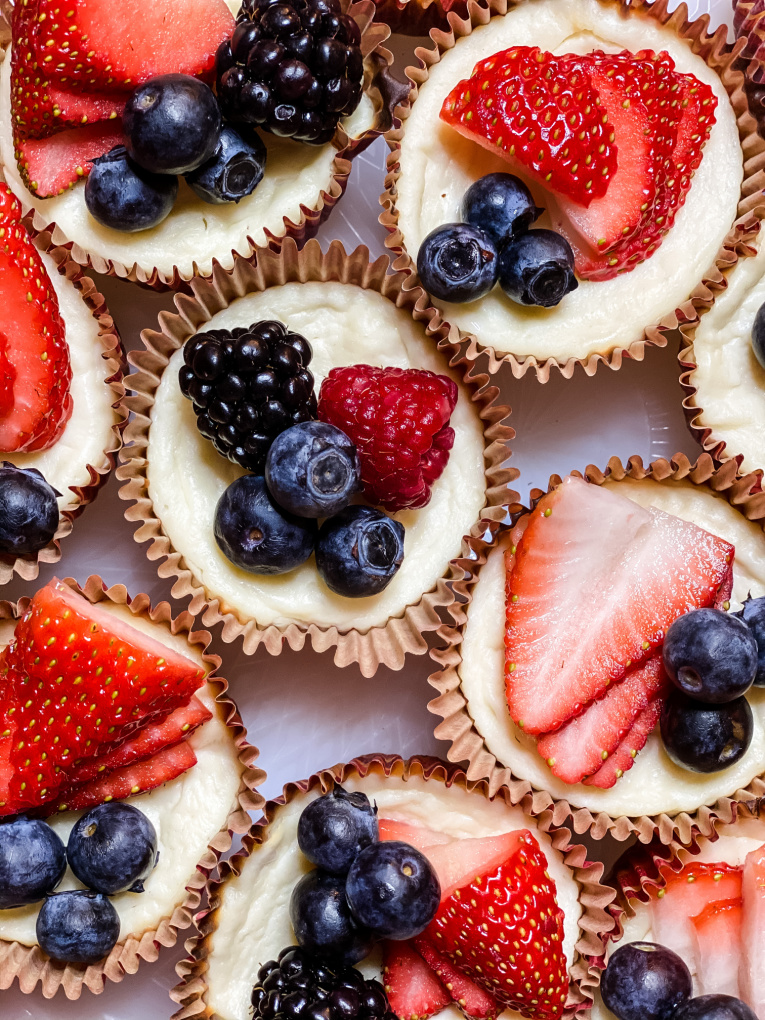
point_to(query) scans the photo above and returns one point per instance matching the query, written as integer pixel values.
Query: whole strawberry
(399, 420)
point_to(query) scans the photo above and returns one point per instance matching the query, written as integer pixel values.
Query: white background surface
(300, 710)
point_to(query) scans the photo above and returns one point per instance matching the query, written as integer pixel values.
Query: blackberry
(292, 68)
(300, 987)
(247, 385)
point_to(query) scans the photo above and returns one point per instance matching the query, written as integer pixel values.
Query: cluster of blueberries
(111, 849)
(461, 262)
(712, 658)
(28, 510)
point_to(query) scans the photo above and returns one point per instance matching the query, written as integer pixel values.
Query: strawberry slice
(85, 681)
(35, 403)
(417, 836)
(717, 945)
(48, 166)
(542, 114)
(751, 973)
(414, 992)
(597, 581)
(623, 758)
(471, 999)
(462, 861)
(579, 748)
(506, 926)
(140, 777)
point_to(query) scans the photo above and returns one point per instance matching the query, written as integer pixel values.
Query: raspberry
(399, 420)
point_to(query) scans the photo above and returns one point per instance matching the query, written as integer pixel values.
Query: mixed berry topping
(292, 68)
(28, 510)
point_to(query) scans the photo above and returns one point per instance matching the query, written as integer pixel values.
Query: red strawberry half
(595, 584)
(35, 403)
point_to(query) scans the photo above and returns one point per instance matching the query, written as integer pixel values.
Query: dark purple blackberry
(293, 68)
(299, 987)
(247, 386)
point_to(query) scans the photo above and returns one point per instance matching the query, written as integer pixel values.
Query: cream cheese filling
(345, 325)
(187, 812)
(438, 165)
(654, 784)
(253, 920)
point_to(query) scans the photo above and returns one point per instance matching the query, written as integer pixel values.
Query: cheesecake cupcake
(60, 387)
(447, 839)
(155, 178)
(122, 827)
(688, 921)
(406, 444)
(578, 241)
(560, 671)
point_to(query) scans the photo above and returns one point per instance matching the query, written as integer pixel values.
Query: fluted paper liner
(457, 726)
(28, 567)
(29, 965)
(722, 58)
(594, 898)
(382, 645)
(417, 17)
(386, 94)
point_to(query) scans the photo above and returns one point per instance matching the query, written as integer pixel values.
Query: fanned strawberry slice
(540, 113)
(49, 166)
(413, 990)
(623, 758)
(460, 861)
(751, 973)
(717, 947)
(580, 747)
(473, 1000)
(596, 582)
(35, 402)
(417, 836)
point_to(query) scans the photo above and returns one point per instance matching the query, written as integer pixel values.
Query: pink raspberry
(399, 420)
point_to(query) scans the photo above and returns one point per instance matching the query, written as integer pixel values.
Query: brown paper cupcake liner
(28, 567)
(722, 58)
(382, 645)
(458, 728)
(418, 17)
(29, 965)
(386, 93)
(595, 898)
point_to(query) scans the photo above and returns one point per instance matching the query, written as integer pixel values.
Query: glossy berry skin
(537, 268)
(123, 196)
(501, 206)
(113, 848)
(171, 124)
(257, 535)
(32, 861)
(711, 655)
(714, 1007)
(758, 336)
(28, 510)
(234, 170)
(335, 828)
(705, 738)
(458, 262)
(393, 889)
(645, 981)
(753, 615)
(77, 926)
(313, 470)
(359, 551)
(322, 920)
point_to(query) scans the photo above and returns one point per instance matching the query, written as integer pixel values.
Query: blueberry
(172, 124)
(123, 196)
(644, 981)
(537, 268)
(393, 889)
(233, 171)
(753, 615)
(255, 534)
(758, 335)
(335, 828)
(710, 655)
(313, 470)
(28, 510)
(702, 737)
(113, 848)
(359, 551)
(457, 262)
(714, 1007)
(32, 861)
(322, 919)
(501, 205)
(78, 926)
